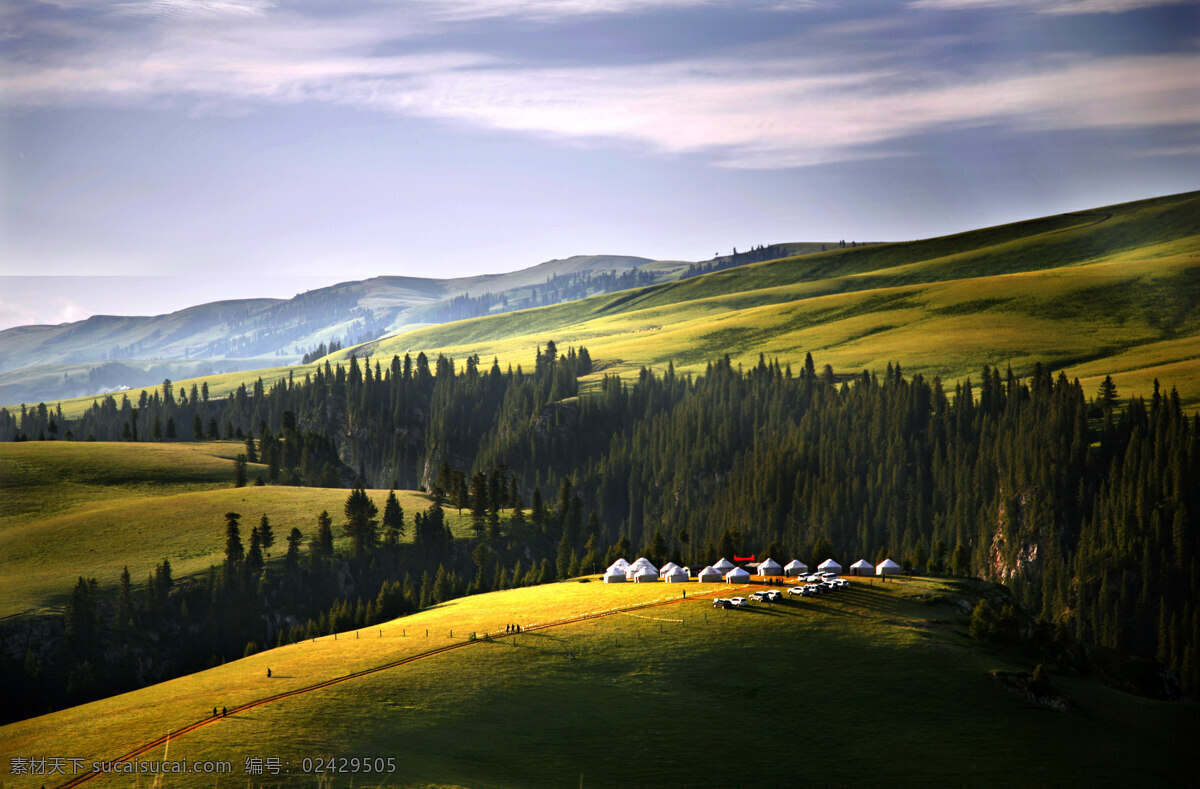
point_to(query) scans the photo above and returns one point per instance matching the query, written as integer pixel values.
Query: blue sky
(177, 151)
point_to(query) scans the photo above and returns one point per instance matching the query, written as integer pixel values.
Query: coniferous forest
(1085, 505)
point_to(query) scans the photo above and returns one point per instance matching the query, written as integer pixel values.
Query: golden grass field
(877, 685)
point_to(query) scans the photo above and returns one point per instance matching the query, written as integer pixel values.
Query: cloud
(68, 311)
(223, 8)
(758, 107)
(792, 113)
(1053, 7)
(547, 10)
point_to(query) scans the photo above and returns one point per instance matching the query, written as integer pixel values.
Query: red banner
(743, 558)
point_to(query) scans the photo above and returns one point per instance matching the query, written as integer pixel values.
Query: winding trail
(84, 777)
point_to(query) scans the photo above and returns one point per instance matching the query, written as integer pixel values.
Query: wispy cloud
(223, 8)
(1054, 7)
(558, 9)
(758, 107)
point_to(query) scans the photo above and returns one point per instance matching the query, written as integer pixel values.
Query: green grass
(875, 686)
(1075, 292)
(89, 509)
(1089, 293)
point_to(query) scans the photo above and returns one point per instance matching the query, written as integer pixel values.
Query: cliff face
(1015, 545)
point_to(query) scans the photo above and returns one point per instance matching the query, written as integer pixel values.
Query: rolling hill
(1111, 290)
(878, 685)
(89, 509)
(108, 353)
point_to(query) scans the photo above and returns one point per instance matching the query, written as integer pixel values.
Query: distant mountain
(108, 353)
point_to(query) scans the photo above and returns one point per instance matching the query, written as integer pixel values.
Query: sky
(156, 154)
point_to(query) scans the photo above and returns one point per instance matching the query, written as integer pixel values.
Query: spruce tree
(361, 526)
(393, 519)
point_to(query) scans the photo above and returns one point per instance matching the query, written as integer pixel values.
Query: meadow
(877, 685)
(1107, 291)
(90, 508)
(1112, 291)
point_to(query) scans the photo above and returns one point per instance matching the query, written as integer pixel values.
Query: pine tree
(234, 553)
(266, 535)
(291, 560)
(393, 519)
(325, 535)
(123, 616)
(361, 526)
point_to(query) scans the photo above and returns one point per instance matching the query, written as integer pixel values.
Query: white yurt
(769, 567)
(644, 575)
(676, 576)
(641, 561)
(666, 568)
(638, 566)
(614, 576)
(620, 564)
(830, 566)
(862, 567)
(737, 576)
(887, 567)
(723, 566)
(795, 567)
(709, 575)
(687, 570)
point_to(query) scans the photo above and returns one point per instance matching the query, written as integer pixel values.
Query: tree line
(1084, 506)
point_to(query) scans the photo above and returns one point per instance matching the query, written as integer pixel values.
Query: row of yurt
(642, 571)
(863, 567)
(621, 571)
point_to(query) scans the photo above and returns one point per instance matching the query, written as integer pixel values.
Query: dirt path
(83, 778)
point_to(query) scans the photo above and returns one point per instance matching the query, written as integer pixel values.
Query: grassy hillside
(1113, 290)
(875, 686)
(1109, 291)
(89, 509)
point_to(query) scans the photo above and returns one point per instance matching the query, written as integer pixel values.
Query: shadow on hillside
(875, 596)
(754, 609)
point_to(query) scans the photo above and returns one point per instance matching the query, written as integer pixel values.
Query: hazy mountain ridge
(110, 352)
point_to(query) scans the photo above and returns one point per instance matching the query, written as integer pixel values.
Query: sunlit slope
(874, 686)
(1112, 290)
(1074, 290)
(89, 509)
